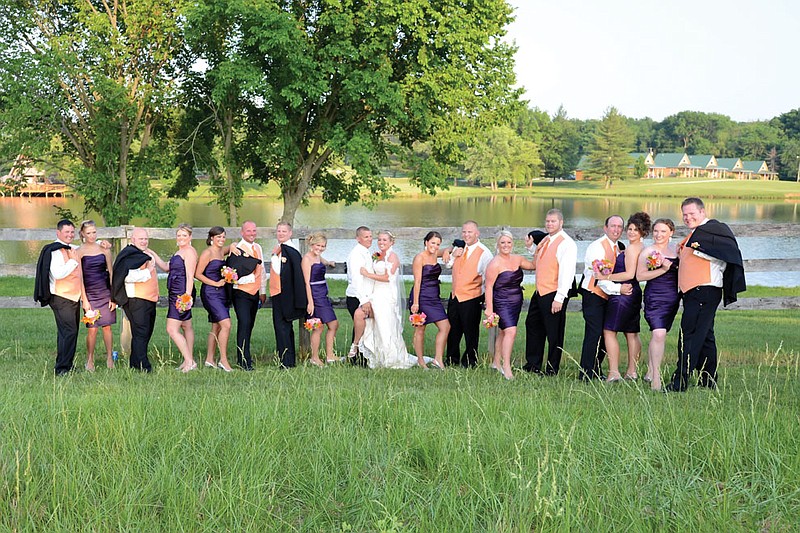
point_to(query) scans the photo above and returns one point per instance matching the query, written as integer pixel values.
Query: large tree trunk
(230, 182)
(293, 194)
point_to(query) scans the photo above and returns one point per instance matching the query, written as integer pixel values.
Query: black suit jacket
(294, 300)
(129, 258)
(717, 240)
(41, 288)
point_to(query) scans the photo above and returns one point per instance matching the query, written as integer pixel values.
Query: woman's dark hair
(213, 232)
(667, 222)
(642, 222)
(431, 235)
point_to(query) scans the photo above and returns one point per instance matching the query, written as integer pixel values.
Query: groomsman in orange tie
(464, 308)
(555, 259)
(287, 290)
(709, 270)
(58, 284)
(594, 295)
(249, 293)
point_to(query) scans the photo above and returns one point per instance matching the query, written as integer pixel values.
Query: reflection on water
(522, 210)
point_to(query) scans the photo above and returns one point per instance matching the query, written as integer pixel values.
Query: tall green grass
(349, 449)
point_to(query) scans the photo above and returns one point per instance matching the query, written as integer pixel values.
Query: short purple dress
(661, 298)
(430, 301)
(623, 312)
(176, 286)
(319, 293)
(215, 299)
(98, 288)
(507, 297)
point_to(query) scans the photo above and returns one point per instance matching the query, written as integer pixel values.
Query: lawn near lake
(348, 449)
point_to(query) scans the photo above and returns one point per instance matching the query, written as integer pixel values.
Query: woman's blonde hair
(314, 238)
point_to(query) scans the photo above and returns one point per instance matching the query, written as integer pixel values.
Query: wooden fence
(120, 236)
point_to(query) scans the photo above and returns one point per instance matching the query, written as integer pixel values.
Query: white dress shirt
(359, 256)
(593, 252)
(250, 278)
(567, 257)
(59, 268)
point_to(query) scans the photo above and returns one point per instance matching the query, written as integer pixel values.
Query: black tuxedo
(288, 305)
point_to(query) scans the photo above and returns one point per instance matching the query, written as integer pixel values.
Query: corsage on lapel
(695, 245)
(283, 259)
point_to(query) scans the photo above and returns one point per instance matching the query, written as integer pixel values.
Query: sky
(655, 58)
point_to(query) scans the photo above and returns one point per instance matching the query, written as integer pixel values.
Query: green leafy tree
(96, 75)
(609, 156)
(695, 132)
(502, 157)
(338, 76)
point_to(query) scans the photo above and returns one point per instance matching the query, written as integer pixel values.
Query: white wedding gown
(382, 344)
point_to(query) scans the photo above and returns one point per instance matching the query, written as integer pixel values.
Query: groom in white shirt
(359, 287)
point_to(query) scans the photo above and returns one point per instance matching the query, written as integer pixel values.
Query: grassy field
(630, 188)
(348, 449)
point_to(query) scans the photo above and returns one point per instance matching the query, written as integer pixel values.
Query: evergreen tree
(610, 148)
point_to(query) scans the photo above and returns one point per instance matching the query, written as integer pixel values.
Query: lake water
(524, 210)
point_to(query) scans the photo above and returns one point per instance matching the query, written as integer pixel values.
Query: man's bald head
(140, 239)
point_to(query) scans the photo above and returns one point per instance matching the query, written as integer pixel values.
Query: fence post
(303, 336)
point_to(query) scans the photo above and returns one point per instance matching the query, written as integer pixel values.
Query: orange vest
(610, 256)
(547, 266)
(693, 271)
(147, 290)
(467, 282)
(274, 280)
(70, 286)
(253, 288)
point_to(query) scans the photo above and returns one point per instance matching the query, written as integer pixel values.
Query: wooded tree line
(315, 95)
(556, 143)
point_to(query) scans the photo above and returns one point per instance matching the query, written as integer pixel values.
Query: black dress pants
(542, 325)
(284, 333)
(697, 346)
(142, 316)
(68, 315)
(353, 304)
(594, 349)
(245, 305)
(465, 320)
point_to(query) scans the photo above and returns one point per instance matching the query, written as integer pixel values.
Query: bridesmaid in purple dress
(504, 297)
(623, 311)
(661, 297)
(319, 305)
(96, 295)
(215, 297)
(427, 270)
(180, 281)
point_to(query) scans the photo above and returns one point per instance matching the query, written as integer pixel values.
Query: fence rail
(120, 236)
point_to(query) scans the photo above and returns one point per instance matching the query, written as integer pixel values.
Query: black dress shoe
(671, 387)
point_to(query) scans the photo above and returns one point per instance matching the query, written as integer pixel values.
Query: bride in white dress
(382, 344)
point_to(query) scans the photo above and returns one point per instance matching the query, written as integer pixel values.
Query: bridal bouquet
(90, 317)
(229, 274)
(603, 266)
(417, 319)
(184, 302)
(312, 324)
(491, 321)
(654, 260)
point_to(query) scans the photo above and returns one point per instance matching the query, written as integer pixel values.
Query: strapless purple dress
(661, 298)
(98, 288)
(430, 300)
(319, 293)
(176, 286)
(623, 313)
(507, 297)
(215, 299)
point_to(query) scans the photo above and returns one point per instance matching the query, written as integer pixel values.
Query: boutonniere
(283, 259)
(695, 245)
